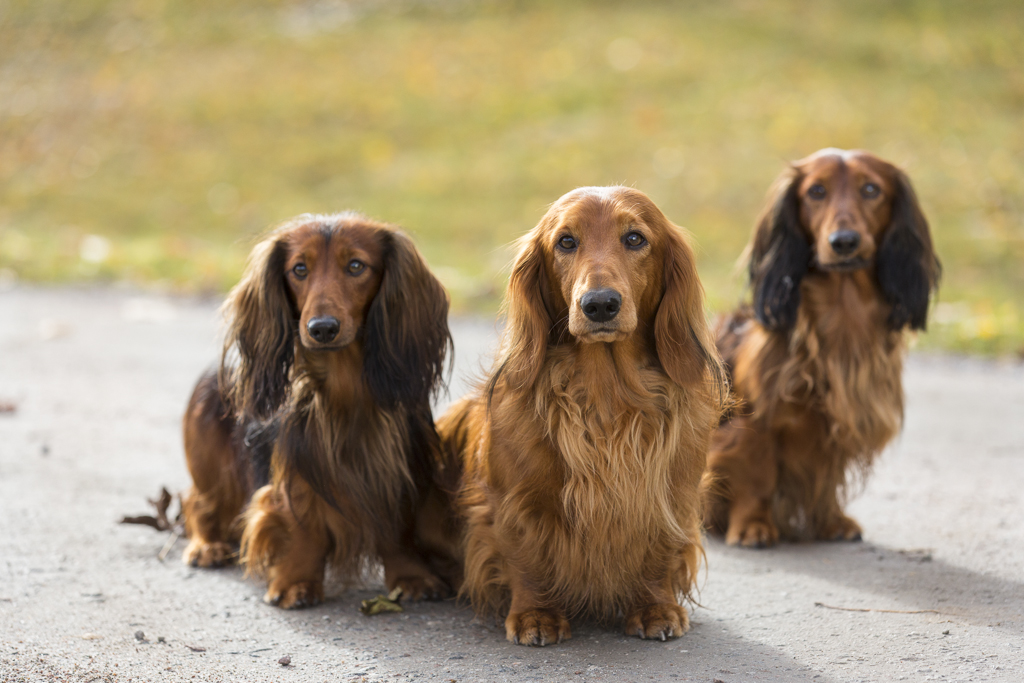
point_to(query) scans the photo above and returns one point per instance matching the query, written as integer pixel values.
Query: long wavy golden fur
(841, 263)
(336, 340)
(583, 452)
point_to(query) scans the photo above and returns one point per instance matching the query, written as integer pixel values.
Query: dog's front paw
(296, 595)
(202, 554)
(537, 627)
(841, 528)
(426, 587)
(659, 621)
(754, 533)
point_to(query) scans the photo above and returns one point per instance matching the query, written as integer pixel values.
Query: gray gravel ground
(100, 377)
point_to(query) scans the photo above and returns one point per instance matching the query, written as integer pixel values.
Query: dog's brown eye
(634, 240)
(567, 243)
(870, 191)
(300, 271)
(817, 191)
(355, 266)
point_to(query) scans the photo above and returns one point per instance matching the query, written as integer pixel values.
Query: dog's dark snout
(844, 242)
(601, 305)
(323, 329)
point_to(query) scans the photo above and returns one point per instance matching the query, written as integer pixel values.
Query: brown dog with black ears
(583, 453)
(841, 262)
(336, 341)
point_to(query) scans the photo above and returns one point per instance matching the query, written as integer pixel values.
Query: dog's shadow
(445, 639)
(745, 597)
(898, 579)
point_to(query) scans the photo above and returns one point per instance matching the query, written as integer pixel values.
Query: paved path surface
(100, 378)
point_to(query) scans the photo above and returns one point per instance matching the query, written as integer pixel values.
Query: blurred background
(149, 142)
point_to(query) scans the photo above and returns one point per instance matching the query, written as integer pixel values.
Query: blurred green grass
(176, 132)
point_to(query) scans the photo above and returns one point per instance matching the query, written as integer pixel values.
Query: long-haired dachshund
(337, 337)
(841, 262)
(583, 453)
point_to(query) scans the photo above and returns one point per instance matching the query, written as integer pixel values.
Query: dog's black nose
(844, 242)
(601, 305)
(323, 329)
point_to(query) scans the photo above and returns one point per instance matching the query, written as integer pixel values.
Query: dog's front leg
(658, 615)
(405, 565)
(530, 621)
(744, 465)
(291, 553)
(297, 580)
(834, 524)
(405, 569)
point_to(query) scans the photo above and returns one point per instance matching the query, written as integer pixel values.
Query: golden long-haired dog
(337, 338)
(841, 262)
(583, 452)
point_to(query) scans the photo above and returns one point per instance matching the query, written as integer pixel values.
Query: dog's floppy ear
(406, 337)
(261, 331)
(683, 339)
(779, 255)
(908, 269)
(528, 321)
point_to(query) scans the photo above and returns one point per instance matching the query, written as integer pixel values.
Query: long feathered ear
(779, 256)
(682, 336)
(528, 321)
(406, 337)
(908, 269)
(261, 331)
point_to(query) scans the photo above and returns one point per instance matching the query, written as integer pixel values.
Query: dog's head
(319, 284)
(605, 265)
(841, 211)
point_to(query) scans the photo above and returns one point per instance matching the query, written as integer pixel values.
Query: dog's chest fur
(845, 363)
(361, 447)
(630, 472)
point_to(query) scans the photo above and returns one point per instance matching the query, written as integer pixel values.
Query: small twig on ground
(162, 504)
(890, 611)
(161, 522)
(171, 540)
(144, 520)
